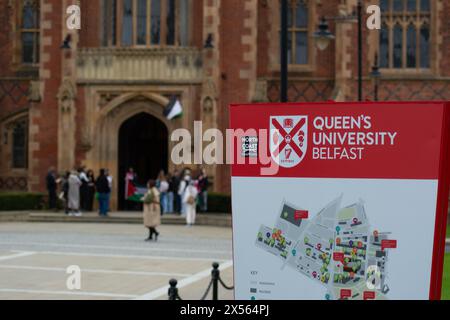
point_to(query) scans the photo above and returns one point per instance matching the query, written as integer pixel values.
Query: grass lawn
(448, 231)
(446, 277)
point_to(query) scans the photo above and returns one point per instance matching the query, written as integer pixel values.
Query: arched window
(146, 22)
(298, 38)
(425, 46)
(29, 31)
(20, 145)
(384, 46)
(411, 44)
(398, 46)
(405, 35)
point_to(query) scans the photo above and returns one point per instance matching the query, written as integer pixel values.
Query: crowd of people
(77, 189)
(178, 192)
(174, 193)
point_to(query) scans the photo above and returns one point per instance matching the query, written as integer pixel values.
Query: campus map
(336, 248)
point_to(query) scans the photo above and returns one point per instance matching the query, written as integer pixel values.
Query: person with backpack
(190, 203)
(152, 210)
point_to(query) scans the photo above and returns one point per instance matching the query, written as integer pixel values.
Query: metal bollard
(173, 290)
(215, 274)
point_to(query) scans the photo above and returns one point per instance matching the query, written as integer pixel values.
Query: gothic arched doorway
(143, 145)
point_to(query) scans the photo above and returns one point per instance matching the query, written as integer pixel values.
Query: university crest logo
(288, 139)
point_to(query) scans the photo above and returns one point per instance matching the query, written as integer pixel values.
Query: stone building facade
(98, 100)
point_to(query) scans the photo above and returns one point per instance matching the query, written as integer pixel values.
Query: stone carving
(106, 98)
(34, 91)
(260, 91)
(66, 95)
(208, 105)
(86, 139)
(137, 64)
(209, 88)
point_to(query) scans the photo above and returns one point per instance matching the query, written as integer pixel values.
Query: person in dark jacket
(174, 185)
(91, 191)
(103, 189)
(65, 191)
(51, 188)
(203, 184)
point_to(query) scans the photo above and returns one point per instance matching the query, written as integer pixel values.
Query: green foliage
(446, 278)
(15, 201)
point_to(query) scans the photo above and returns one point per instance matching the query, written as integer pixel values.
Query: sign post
(340, 200)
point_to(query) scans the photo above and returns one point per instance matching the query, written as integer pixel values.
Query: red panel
(421, 151)
(417, 142)
(441, 210)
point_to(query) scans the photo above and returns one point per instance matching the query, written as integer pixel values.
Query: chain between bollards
(173, 290)
(214, 283)
(215, 274)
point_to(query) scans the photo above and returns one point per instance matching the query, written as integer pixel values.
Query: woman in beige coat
(152, 210)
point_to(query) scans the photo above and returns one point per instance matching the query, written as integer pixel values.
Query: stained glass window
(404, 40)
(30, 31)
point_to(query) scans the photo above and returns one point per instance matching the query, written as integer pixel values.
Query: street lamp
(284, 51)
(376, 75)
(323, 37)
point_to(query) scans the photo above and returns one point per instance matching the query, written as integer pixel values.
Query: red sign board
(338, 256)
(301, 214)
(345, 183)
(388, 244)
(369, 295)
(345, 293)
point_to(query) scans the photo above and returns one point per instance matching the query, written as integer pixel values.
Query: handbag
(190, 200)
(148, 198)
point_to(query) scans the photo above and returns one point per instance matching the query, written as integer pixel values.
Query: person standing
(152, 210)
(163, 187)
(84, 189)
(130, 178)
(170, 194)
(182, 190)
(203, 184)
(174, 185)
(189, 199)
(91, 191)
(51, 188)
(110, 184)
(65, 191)
(103, 189)
(74, 194)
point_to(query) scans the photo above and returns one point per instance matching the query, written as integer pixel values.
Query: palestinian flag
(134, 192)
(174, 109)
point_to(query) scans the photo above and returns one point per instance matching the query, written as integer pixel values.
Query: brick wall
(91, 30)
(44, 115)
(444, 46)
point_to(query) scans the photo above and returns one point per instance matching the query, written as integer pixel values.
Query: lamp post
(284, 51)
(323, 37)
(375, 75)
(359, 8)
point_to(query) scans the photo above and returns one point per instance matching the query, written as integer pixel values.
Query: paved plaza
(115, 261)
